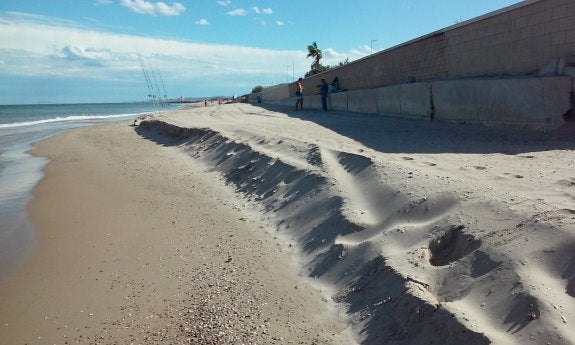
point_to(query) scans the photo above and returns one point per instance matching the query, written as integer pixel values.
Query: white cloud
(333, 58)
(224, 2)
(262, 10)
(33, 48)
(279, 23)
(154, 8)
(83, 53)
(203, 21)
(40, 19)
(237, 12)
(37, 48)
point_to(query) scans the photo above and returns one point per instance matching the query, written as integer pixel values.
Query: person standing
(299, 94)
(323, 91)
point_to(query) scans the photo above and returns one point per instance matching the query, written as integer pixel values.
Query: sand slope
(426, 233)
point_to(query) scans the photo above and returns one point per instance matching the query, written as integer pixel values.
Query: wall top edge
(463, 23)
(446, 29)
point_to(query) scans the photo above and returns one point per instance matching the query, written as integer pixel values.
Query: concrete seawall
(530, 103)
(513, 67)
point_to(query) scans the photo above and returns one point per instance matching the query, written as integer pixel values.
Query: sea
(20, 127)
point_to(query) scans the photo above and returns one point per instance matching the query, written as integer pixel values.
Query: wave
(67, 119)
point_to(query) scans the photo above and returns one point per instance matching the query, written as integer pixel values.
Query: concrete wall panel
(557, 94)
(389, 100)
(454, 100)
(362, 101)
(276, 92)
(509, 100)
(536, 103)
(312, 102)
(416, 100)
(338, 101)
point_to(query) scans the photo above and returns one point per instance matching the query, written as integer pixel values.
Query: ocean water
(20, 127)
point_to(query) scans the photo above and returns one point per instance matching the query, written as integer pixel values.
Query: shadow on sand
(394, 135)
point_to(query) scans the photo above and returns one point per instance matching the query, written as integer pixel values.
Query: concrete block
(551, 27)
(338, 101)
(535, 103)
(455, 101)
(542, 16)
(557, 38)
(362, 101)
(566, 24)
(287, 102)
(519, 23)
(510, 101)
(550, 69)
(312, 102)
(570, 35)
(276, 92)
(416, 100)
(557, 99)
(389, 100)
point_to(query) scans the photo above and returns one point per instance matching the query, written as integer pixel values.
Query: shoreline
(20, 171)
(136, 243)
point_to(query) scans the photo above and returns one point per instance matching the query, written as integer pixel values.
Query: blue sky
(68, 51)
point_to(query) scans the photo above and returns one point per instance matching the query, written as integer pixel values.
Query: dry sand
(421, 233)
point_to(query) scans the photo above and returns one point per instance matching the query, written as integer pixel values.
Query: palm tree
(314, 52)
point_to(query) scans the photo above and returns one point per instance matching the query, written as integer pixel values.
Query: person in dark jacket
(323, 91)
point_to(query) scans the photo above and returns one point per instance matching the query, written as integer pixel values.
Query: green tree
(344, 62)
(315, 53)
(257, 89)
(316, 67)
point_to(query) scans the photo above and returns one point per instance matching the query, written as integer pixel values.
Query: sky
(82, 51)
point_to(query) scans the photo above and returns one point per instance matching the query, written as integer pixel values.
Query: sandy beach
(137, 243)
(237, 224)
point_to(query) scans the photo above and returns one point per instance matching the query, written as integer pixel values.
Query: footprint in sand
(567, 183)
(451, 246)
(408, 158)
(514, 175)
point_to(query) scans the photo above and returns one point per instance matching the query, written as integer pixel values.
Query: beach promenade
(241, 224)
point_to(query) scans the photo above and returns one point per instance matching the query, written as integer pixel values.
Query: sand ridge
(450, 238)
